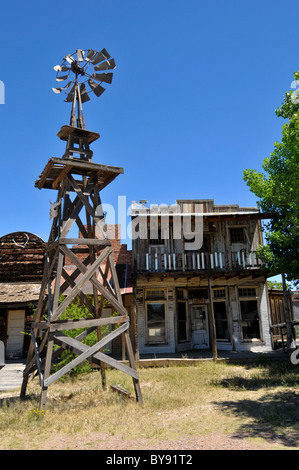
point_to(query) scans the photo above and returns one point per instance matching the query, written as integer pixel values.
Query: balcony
(157, 262)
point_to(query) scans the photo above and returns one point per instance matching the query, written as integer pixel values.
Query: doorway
(200, 327)
(15, 333)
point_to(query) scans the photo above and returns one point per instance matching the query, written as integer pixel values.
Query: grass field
(253, 403)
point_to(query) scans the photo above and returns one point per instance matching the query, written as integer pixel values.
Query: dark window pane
(156, 322)
(182, 322)
(237, 235)
(220, 320)
(250, 319)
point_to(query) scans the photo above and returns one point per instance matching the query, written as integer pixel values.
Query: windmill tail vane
(79, 72)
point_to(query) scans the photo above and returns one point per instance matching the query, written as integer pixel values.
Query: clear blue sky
(191, 106)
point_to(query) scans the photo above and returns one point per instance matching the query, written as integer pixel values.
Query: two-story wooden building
(192, 258)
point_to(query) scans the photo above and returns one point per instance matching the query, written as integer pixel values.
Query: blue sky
(192, 103)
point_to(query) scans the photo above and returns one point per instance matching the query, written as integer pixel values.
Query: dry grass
(256, 402)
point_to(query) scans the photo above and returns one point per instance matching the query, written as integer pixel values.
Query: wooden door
(200, 327)
(15, 333)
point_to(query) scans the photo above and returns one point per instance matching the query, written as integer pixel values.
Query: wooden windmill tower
(78, 182)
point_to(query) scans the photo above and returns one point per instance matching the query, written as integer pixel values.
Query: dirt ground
(99, 441)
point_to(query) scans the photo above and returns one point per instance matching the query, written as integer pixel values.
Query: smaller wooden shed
(21, 271)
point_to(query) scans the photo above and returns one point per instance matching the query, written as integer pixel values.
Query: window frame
(148, 341)
(187, 339)
(237, 242)
(248, 298)
(223, 300)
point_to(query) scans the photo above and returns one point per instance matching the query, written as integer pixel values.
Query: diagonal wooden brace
(88, 273)
(77, 347)
(113, 300)
(85, 355)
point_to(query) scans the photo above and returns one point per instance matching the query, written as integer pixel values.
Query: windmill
(78, 182)
(79, 71)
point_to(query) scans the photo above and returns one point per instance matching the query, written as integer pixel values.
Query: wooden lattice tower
(78, 182)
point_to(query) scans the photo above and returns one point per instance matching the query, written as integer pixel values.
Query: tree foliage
(278, 192)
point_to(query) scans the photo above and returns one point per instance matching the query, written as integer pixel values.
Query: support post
(212, 321)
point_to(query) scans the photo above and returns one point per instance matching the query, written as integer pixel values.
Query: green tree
(278, 193)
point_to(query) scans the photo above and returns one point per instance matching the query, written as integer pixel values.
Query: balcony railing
(190, 261)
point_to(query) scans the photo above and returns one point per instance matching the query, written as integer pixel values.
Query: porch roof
(17, 293)
(211, 216)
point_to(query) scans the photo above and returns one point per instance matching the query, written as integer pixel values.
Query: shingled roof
(21, 257)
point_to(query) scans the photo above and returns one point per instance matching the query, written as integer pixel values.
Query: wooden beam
(84, 241)
(122, 391)
(108, 296)
(60, 177)
(86, 276)
(85, 355)
(61, 325)
(45, 174)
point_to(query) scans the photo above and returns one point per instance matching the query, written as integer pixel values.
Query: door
(200, 327)
(15, 333)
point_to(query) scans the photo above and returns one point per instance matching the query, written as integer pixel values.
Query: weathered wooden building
(192, 258)
(21, 271)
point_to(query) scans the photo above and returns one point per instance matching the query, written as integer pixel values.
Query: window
(182, 294)
(156, 330)
(219, 296)
(247, 292)
(155, 294)
(221, 321)
(198, 294)
(249, 313)
(219, 293)
(206, 244)
(237, 235)
(182, 322)
(155, 237)
(250, 319)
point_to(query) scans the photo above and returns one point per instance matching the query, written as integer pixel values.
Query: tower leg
(43, 397)
(132, 363)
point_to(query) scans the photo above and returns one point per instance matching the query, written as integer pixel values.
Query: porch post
(212, 321)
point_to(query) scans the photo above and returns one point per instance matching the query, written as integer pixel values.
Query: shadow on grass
(263, 375)
(273, 416)
(7, 401)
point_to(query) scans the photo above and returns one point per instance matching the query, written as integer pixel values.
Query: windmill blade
(59, 89)
(83, 93)
(96, 88)
(80, 55)
(69, 58)
(90, 54)
(61, 68)
(60, 79)
(70, 96)
(103, 55)
(108, 64)
(103, 77)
